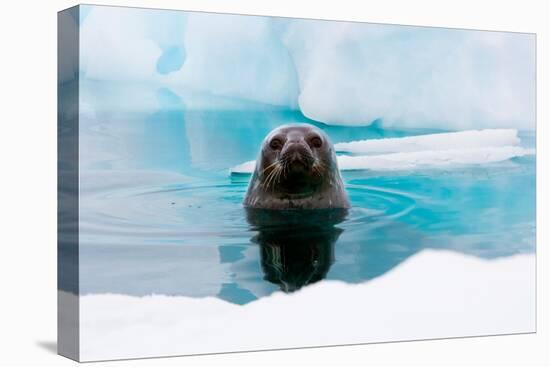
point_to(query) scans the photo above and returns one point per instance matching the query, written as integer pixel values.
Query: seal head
(296, 169)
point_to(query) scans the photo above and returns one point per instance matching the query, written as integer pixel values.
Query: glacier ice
(237, 56)
(354, 73)
(125, 44)
(338, 73)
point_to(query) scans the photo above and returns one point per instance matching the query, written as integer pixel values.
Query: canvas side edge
(68, 325)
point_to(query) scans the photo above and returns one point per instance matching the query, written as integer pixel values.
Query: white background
(28, 182)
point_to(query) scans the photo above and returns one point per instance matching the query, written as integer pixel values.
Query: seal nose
(297, 154)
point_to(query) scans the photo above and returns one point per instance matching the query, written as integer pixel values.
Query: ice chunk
(431, 158)
(417, 160)
(425, 151)
(444, 141)
(246, 167)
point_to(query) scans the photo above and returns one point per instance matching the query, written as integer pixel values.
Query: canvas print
(236, 183)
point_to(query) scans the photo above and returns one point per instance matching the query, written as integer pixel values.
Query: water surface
(161, 214)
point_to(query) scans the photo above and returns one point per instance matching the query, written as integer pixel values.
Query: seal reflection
(296, 246)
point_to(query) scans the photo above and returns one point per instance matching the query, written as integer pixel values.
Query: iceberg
(338, 73)
(237, 56)
(126, 44)
(355, 73)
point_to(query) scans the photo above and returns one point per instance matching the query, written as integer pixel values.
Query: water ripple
(193, 212)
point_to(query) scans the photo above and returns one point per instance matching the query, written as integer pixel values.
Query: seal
(296, 169)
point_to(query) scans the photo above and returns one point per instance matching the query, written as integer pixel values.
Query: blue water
(161, 214)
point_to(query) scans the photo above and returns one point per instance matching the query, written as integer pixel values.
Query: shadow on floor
(50, 346)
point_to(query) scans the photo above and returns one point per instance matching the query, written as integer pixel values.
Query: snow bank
(456, 140)
(434, 294)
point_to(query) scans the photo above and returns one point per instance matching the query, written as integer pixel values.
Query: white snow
(434, 294)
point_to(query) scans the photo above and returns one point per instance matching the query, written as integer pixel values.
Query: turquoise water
(161, 214)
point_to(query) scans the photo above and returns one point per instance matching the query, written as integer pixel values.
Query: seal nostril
(297, 152)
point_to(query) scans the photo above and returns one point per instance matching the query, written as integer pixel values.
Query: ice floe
(425, 151)
(433, 294)
(456, 140)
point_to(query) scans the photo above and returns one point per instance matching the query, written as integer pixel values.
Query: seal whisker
(268, 167)
(271, 176)
(280, 172)
(267, 179)
(285, 166)
(276, 178)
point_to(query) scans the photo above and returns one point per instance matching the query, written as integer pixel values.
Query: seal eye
(276, 144)
(316, 142)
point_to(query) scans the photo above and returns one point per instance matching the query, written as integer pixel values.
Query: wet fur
(299, 175)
